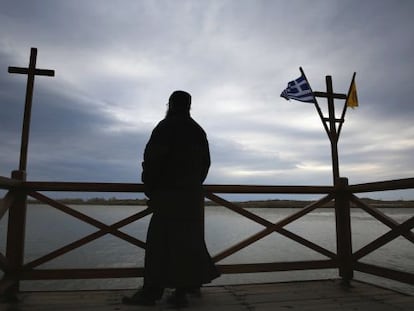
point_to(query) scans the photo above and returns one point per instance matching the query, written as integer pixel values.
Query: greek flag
(299, 89)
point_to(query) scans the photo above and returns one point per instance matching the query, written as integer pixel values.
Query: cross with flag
(300, 90)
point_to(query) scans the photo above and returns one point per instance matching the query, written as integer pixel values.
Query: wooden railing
(345, 259)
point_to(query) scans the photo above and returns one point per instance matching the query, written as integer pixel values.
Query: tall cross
(31, 72)
(332, 132)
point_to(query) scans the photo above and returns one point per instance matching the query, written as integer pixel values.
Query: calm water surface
(49, 229)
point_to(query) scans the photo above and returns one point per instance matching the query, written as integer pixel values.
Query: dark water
(49, 229)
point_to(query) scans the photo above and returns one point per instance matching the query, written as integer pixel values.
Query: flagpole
(346, 105)
(316, 103)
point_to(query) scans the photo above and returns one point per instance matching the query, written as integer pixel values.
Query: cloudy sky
(117, 62)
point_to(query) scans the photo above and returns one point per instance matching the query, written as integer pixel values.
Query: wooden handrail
(9, 183)
(138, 187)
(391, 274)
(19, 189)
(396, 184)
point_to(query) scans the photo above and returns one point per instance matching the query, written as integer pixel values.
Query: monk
(176, 163)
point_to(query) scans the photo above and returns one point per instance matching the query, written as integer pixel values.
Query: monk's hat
(180, 100)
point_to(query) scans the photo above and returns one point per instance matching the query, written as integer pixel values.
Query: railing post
(343, 230)
(16, 238)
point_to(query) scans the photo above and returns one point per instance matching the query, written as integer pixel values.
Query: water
(49, 229)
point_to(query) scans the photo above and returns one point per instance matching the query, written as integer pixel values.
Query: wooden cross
(31, 72)
(332, 131)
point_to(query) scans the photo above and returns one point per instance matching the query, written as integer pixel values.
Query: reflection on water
(49, 229)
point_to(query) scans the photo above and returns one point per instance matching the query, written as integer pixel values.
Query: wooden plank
(9, 183)
(406, 183)
(330, 94)
(102, 273)
(268, 189)
(396, 184)
(277, 266)
(70, 274)
(82, 187)
(392, 274)
(325, 295)
(136, 187)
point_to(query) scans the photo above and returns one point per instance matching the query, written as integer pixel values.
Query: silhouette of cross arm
(37, 72)
(32, 71)
(332, 95)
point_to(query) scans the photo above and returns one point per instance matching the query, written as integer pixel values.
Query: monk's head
(179, 101)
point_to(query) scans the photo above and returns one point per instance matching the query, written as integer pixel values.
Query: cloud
(116, 64)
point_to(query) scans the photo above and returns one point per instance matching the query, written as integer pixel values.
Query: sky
(117, 62)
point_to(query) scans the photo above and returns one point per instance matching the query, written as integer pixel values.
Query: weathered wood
(332, 132)
(396, 184)
(323, 295)
(32, 187)
(268, 189)
(103, 273)
(136, 187)
(72, 274)
(332, 129)
(9, 183)
(329, 94)
(406, 183)
(37, 72)
(31, 72)
(82, 187)
(401, 276)
(277, 266)
(343, 229)
(16, 230)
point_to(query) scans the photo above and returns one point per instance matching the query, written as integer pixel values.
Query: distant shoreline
(244, 204)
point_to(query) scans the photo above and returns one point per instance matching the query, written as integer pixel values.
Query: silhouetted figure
(176, 163)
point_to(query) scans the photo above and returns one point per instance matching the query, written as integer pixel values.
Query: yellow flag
(352, 99)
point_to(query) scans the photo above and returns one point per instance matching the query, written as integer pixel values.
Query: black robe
(176, 163)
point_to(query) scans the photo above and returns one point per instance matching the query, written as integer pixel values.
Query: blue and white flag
(299, 89)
